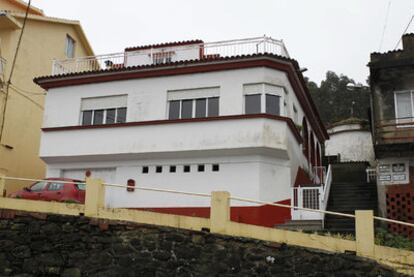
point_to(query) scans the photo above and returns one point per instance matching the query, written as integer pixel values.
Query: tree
(336, 100)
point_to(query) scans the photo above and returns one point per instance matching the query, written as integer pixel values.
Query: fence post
(364, 233)
(220, 211)
(95, 197)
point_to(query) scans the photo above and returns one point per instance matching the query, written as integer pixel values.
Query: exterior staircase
(349, 192)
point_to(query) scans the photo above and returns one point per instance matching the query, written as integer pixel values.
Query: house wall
(260, 177)
(42, 41)
(147, 98)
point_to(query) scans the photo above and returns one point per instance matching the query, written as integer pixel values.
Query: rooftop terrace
(169, 53)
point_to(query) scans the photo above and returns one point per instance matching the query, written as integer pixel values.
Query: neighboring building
(45, 38)
(351, 139)
(392, 92)
(189, 116)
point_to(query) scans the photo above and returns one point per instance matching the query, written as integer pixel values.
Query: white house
(189, 116)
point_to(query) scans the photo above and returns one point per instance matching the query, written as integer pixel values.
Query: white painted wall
(351, 142)
(165, 138)
(253, 176)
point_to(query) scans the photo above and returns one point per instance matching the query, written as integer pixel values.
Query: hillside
(339, 98)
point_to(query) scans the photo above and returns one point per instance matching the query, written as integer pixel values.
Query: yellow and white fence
(220, 223)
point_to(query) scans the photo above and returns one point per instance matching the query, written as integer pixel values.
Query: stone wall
(36, 245)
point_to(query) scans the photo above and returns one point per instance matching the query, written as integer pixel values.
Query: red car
(48, 190)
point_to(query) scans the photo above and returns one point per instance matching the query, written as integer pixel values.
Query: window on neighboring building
(200, 168)
(193, 108)
(103, 110)
(70, 47)
(404, 106)
(187, 168)
(158, 169)
(215, 167)
(173, 168)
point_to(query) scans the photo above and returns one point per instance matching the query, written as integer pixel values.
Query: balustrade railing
(156, 55)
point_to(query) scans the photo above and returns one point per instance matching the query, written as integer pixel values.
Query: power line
(27, 97)
(12, 71)
(406, 28)
(385, 25)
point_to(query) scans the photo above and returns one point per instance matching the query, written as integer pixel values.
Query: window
(187, 168)
(145, 169)
(174, 112)
(39, 186)
(103, 110)
(272, 104)
(193, 108)
(110, 116)
(162, 57)
(158, 169)
(213, 106)
(187, 109)
(215, 167)
(98, 117)
(253, 104)
(201, 106)
(404, 106)
(87, 117)
(295, 115)
(200, 168)
(173, 169)
(70, 47)
(55, 186)
(265, 98)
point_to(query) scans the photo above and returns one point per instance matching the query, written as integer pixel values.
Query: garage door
(106, 174)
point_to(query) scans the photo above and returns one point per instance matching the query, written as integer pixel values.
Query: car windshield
(39, 186)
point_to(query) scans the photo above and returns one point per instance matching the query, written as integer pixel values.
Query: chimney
(408, 42)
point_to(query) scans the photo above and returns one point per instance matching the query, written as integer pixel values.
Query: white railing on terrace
(156, 55)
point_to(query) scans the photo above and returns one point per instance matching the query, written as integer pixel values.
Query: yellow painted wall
(42, 42)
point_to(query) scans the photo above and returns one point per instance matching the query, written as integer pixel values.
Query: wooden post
(220, 211)
(95, 197)
(364, 233)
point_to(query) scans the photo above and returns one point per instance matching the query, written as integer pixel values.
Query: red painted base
(257, 215)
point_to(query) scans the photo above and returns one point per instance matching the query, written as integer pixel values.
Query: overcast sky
(321, 35)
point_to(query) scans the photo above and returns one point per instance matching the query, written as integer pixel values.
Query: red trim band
(289, 122)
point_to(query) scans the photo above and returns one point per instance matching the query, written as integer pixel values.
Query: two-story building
(392, 94)
(189, 116)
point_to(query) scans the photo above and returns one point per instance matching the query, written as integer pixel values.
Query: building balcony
(394, 135)
(239, 134)
(170, 53)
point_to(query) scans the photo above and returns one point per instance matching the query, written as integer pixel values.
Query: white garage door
(106, 174)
